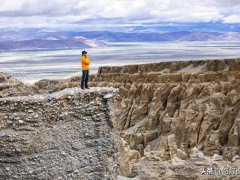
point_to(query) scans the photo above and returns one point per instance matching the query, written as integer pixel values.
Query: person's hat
(84, 52)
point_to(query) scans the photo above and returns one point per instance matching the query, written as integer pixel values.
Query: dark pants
(84, 82)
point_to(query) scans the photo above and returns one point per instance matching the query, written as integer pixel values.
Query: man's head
(84, 53)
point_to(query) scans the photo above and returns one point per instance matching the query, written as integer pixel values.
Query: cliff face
(64, 135)
(169, 120)
(176, 117)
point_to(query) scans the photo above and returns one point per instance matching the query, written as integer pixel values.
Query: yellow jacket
(85, 63)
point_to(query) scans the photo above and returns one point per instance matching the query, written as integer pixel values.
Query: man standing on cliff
(85, 70)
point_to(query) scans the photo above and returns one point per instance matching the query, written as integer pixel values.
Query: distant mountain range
(158, 37)
(46, 39)
(38, 39)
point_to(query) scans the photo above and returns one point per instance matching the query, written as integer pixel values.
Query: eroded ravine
(177, 118)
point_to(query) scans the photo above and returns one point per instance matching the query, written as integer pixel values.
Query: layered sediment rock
(64, 135)
(176, 118)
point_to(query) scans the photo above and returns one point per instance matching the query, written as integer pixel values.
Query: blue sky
(122, 15)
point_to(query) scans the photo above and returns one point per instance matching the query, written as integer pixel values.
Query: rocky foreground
(171, 120)
(64, 135)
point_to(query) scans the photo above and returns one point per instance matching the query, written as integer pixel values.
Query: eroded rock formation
(176, 117)
(10, 86)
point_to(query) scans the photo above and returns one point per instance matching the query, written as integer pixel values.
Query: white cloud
(70, 12)
(232, 19)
